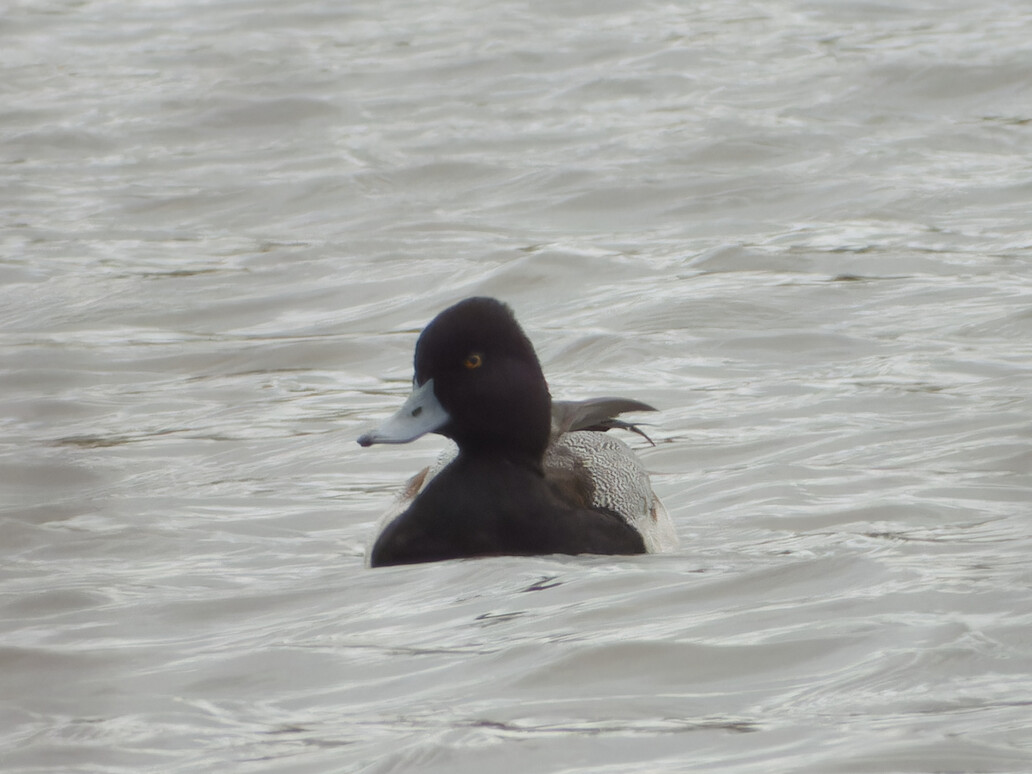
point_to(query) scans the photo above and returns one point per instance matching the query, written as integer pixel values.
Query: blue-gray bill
(421, 413)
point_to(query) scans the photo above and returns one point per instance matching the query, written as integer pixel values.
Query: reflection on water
(800, 229)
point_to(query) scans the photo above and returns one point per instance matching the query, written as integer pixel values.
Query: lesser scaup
(530, 476)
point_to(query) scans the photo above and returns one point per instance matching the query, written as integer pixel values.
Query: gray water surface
(801, 229)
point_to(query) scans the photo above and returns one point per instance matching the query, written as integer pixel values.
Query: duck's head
(478, 382)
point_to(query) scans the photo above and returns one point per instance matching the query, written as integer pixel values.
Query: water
(800, 228)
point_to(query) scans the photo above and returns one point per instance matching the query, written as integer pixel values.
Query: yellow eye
(473, 361)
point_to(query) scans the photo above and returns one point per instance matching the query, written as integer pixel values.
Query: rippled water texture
(802, 229)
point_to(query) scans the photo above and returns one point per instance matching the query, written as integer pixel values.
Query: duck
(526, 475)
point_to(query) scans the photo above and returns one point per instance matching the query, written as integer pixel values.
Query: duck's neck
(491, 453)
(519, 434)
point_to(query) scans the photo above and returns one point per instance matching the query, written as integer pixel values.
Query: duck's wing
(600, 472)
(592, 414)
(595, 414)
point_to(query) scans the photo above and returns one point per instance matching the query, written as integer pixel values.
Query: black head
(487, 377)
